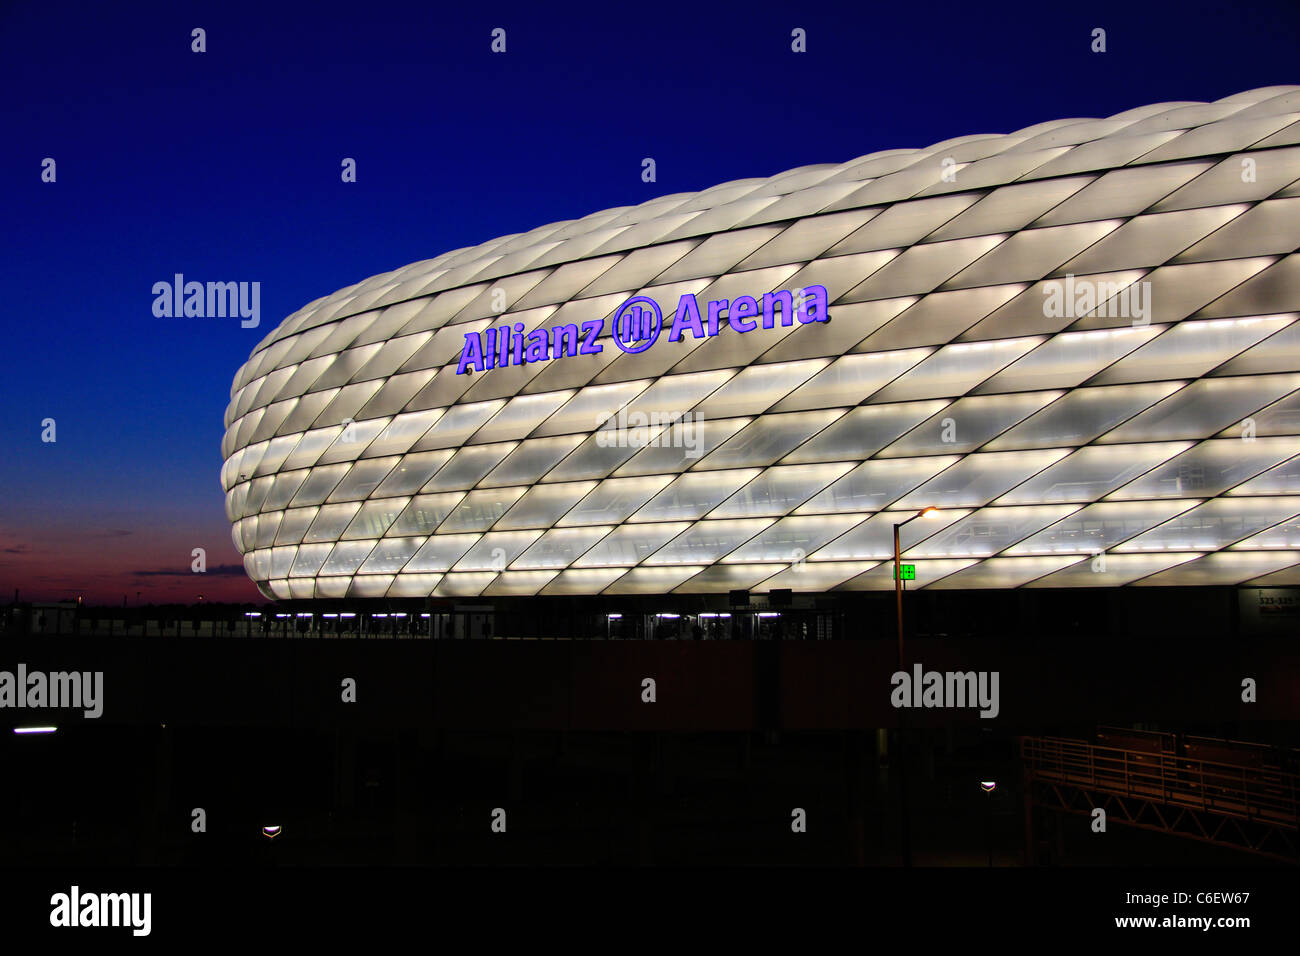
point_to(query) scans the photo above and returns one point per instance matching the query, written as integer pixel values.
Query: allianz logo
(637, 325)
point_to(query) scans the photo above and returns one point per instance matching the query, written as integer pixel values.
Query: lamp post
(906, 836)
(988, 786)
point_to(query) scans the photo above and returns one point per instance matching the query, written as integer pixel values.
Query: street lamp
(906, 837)
(898, 575)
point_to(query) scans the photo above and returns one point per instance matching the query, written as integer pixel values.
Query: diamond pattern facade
(1078, 340)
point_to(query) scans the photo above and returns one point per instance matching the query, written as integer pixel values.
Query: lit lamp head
(930, 512)
(271, 832)
(988, 786)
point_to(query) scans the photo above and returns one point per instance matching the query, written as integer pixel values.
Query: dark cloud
(220, 570)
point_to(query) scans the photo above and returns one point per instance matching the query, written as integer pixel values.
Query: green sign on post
(909, 573)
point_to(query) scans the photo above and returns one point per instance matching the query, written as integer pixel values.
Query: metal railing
(1260, 794)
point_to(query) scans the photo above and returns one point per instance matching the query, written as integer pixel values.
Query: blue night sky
(225, 166)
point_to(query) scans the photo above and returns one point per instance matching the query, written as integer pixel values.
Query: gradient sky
(225, 166)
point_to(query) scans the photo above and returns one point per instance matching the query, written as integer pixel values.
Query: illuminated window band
(636, 326)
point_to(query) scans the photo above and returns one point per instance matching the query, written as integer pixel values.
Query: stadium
(1073, 347)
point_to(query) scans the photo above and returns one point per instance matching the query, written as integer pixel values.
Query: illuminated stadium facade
(1079, 341)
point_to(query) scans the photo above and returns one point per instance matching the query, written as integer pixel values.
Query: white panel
(533, 458)
(631, 544)
(374, 518)
(1100, 526)
(425, 513)
(1210, 468)
(390, 555)
(413, 585)
(520, 582)
(791, 540)
(560, 547)
(1223, 568)
(495, 550)
(543, 505)
(1111, 570)
(724, 577)
(706, 541)
(881, 577)
(590, 408)
(978, 479)
(1091, 472)
(1191, 349)
(955, 369)
(988, 531)
(863, 431)
(520, 416)
(1081, 415)
(441, 551)
(1006, 572)
(967, 423)
(1068, 359)
(479, 510)
(673, 448)
(874, 484)
(464, 584)
(413, 472)
(307, 560)
(694, 495)
(403, 432)
(1215, 524)
(1204, 407)
(815, 576)
(455, 427)
(614, 499)
(652, 580)
(1285, 534)
(361, 480)
(1280, 480)
(851, 379)
(583, 580)
(346, 556)
(294, 525)
(768, 438)
(778, 490)
(874, 538)
(757, 388)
